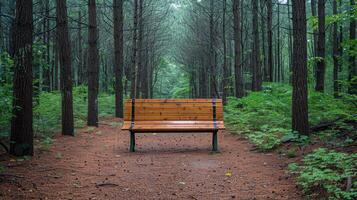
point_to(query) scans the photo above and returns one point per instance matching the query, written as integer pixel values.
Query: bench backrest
(173, 110)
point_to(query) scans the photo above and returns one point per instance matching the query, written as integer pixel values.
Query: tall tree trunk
(270, 39)
(212, 53)
(290, 42)
(278, 63)
(80, 72)
(335, 53)
(314, 34)
(238, 71)
(257, 79)
(46, 41)
(352, 58)
(65, 65)
(139, 74)
(300, 122)
(225, 67)
(93, 65)
(320, 67)
(1, 31)
(134, 68)
(21, 124)
(119, 57)
(265, 74)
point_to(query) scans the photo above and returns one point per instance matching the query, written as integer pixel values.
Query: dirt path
(97, 165)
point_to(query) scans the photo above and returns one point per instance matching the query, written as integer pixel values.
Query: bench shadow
(161, 150)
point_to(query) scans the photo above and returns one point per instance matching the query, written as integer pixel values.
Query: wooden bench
(173, 115)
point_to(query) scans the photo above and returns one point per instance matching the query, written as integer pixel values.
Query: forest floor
(96, 164)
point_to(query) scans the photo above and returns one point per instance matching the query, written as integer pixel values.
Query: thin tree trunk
(93, 65)
(21, 124)
(238, 71)
(270, 39)
(335, 53)
(119, 57)
(263, 32)
(66, 71)
(80, 50)
(352, 58)
(213, 81)
(134, 52)
(290, 42)
(300, 122)
(139, 74)
(320, 67)
(257, 79)
(225, 67)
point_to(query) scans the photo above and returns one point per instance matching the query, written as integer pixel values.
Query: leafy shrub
(47, 115)
(265, 117)
(324, 173)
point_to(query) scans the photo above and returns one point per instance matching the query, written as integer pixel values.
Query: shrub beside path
(96, 164)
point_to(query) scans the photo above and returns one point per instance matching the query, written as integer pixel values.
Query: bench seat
(174, 126)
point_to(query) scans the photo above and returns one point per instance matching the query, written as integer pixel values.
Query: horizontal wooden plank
(174, 100)
(172, 117)
(173, 124)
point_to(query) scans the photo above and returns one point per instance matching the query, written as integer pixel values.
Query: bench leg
(132, 141)
(215, 141)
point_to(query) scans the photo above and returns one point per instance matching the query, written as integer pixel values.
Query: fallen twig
(106, 184)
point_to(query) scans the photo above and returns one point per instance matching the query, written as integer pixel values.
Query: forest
(286, 71)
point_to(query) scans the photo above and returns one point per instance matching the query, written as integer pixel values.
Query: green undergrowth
(47, 114)
(327, 174)
(47, 111)
(265, 117)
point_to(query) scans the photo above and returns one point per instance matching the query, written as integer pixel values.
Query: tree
(21, 124)
(134, 67)
(224, 41)
(352, 58)
(93, 65)
(300, 121)
(320, 49)
(118, 54)
(238, 69)
(335, 53)
(65, 65)
(270, 39)
(257, 79)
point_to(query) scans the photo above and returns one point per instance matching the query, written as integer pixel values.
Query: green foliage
(47, 114)
(5, 93)
(325, 173)
(171, 81)
(265, 117)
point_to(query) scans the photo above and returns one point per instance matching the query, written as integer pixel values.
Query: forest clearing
(178, 99)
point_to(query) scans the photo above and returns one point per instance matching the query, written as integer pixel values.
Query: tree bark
(335, 53)
(134, 68)
(300, 121)
(257, 79)
(212, 53)
(119, 57)
(238, 71)
(225, 67)
(93, 65)
(320, 66)
(65, 65)
(270, 39)
(352, 58)
(21, 124)
(80, 72)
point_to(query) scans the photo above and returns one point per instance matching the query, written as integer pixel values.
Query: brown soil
(96, 164)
